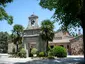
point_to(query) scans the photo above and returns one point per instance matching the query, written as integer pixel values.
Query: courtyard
(71, 59)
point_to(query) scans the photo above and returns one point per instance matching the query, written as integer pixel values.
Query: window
(68, 46)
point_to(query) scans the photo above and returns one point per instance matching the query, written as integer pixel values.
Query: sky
(21, 10)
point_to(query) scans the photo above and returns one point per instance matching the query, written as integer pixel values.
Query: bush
(50, 55)
(49, 48)
(41, 54)
(22, 53)
(59, 51)
(34, 51)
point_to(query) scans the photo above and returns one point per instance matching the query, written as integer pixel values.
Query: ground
(68, 60)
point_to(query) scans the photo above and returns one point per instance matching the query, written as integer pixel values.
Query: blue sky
(21, 10)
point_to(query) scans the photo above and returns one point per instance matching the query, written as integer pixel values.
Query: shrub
(22, 53)
(34, 51)
(50, 55)
(59, 51)
(41, 54)
(49, 48)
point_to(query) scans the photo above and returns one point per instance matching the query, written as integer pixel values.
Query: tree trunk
(17, 47)
(84, 40)
(47, 48)
(83, 23)
(81, 16)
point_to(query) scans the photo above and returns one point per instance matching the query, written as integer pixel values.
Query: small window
(68, 46)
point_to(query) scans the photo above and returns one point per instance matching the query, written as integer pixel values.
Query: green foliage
(50, 54)
(41, 54)
(18, 28)
(34, 51)
(17, 35)
(50, 51)
(59, 51)
(4, 38)
(49, 48)
(67, 12)
(50, 57)
(22, 53)
(3, 14)
(47, 32)
(4, 2)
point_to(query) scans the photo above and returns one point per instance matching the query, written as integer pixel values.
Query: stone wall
(77, 45)
(11, 46)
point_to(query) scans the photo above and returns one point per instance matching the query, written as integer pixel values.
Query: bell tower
(33, 22)
(31, 37)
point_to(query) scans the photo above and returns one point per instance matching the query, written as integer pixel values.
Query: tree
(47, 33)
(17, 35)
(71, 13)
(3, 14)
(4, 37)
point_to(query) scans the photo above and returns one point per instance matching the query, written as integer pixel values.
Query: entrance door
(68, 50)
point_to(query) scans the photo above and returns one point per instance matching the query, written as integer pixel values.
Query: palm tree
(47, 33)
(17, 35)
